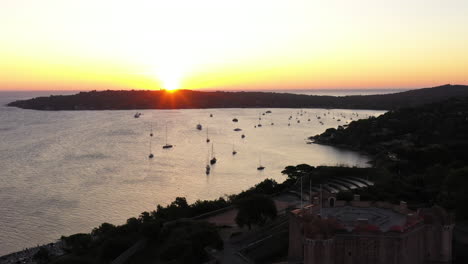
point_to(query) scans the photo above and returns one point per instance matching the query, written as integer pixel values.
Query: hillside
(424, 149)
(186, 99)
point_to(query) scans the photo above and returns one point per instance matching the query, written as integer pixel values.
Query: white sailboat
(207, 168)
(260, 167)
(213, 158)
(151, 153)
(167, 146)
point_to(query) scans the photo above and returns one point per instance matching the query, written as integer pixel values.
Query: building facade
(360, 232)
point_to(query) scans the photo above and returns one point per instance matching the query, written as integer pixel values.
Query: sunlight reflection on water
(67, 172)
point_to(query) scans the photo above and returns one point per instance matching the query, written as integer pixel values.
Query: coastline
(190, 99)
(26, 255)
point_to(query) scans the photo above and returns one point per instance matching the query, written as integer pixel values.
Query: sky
(238, 45)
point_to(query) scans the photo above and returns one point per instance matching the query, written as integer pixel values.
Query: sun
(170, 82)
(170, 78)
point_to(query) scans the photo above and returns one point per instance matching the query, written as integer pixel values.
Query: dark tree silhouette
(255, 210)
(186, 99)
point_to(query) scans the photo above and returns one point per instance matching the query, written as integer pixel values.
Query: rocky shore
(26, 256)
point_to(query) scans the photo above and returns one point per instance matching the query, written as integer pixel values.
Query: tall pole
(310, 190)
(301, 192)
(321, 198)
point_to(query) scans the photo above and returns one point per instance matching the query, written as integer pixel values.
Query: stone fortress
(361, 232)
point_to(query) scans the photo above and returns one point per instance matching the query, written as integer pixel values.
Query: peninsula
(188, 99)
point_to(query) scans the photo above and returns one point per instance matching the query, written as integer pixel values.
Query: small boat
(308, 119)
(207, 167)
(237, 129)
(298, 121)
(211, 115)
(259, 125)
(260, 167)
(151, 130)
(235, 120)
(151, 154)
(167, 146)
(289, 124)
(272, 123)
(268, 112)
(234, 152)
(137, 115)
(207, 138)
(199, 127)
(213, 158)
(243, 136)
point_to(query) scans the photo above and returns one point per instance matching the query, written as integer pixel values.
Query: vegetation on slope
(169, 230)
(185, 99)
(424, 149)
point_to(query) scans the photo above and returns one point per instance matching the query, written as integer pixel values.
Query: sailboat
(234, 152)
(207, 138)
(151, 154)
(199, 126)
(260, 167)
(213, 158)
(207, 168)
(167, 146)
(151, 130)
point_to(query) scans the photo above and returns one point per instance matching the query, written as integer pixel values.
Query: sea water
(64, 172)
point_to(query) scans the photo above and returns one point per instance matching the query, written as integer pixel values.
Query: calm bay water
(67, 172)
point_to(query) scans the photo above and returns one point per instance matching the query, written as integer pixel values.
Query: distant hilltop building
(361, 232)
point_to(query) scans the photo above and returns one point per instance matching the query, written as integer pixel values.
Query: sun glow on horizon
(219, 44)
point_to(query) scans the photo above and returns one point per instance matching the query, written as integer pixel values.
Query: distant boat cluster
(211, 157)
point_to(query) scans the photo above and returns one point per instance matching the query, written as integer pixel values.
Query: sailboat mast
(166, 134)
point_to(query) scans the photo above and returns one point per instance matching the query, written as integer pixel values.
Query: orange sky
(216, 44)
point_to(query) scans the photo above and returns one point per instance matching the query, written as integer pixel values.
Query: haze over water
(66, 172)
